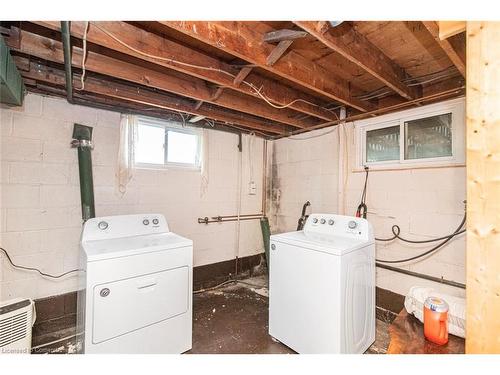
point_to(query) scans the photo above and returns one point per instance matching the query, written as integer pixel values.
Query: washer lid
(133, 245)
(336, 245)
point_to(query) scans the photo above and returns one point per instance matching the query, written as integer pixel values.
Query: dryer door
(130, 304)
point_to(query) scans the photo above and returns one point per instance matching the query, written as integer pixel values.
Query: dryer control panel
(108, 227)
(339, 225)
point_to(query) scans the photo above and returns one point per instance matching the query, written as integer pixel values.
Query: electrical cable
(396, 231)
(84, 56)
(257, 91)
(36, 269)
(448, 238)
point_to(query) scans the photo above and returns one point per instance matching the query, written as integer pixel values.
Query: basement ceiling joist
(455, 51)
(186, 86)
(220, 71)
(56, 77)
(181, 58)
(356, 48)
(247, 43)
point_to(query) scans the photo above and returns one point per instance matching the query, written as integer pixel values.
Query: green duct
(82, 139)
(266, 236)
(66, 40)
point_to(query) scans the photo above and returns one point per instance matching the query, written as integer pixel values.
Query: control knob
(352, 224)
(155, 221)
(330, 222)
(145, 222)
(323, 221)
(102, 225)
(315, 220)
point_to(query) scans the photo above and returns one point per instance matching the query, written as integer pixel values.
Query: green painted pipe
(82, 139)
(66, 41)
(266, 236)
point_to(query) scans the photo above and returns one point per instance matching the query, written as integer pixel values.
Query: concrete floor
(232, 319)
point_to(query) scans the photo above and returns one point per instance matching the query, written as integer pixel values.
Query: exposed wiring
(448, 238)
(36, 269)
(84, 56)
(312, 136)
(257, 91)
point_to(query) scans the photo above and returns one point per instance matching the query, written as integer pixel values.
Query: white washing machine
(136, 293)
(322, 286)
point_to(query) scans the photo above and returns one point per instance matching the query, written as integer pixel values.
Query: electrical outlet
(252, 189)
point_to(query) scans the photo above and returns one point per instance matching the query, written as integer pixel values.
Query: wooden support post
(483, 187)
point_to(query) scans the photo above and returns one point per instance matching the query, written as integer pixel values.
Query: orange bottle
(436, 320)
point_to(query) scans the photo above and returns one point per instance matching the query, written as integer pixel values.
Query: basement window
(427, 135)
(159, 144)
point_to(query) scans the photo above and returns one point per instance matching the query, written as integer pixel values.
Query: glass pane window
(182, 147)
(160, 143)
(428, 137)
(382, 144)
(150, 144)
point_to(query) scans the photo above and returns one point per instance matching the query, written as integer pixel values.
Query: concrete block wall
(303, 170)
(40, 213)
(425, 203)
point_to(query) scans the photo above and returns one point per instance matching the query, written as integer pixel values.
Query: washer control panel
(339, 225)
(123, 226)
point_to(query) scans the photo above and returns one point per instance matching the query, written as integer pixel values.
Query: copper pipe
(232, 216)
(206, 220)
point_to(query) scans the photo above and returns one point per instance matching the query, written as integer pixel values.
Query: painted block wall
(40, 202)
(425, 203)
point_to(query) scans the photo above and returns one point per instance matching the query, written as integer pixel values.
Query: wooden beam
(450, 28)
(456, 57)
(242, 74)
(42, 73)
(358, 49)
(194, 88)
(276, 36)
(245, 40)
(421, 36)
(278, 51)
(483, 188)
(153, 44)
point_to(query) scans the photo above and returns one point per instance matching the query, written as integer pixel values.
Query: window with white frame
(433, 134)
(159, 144)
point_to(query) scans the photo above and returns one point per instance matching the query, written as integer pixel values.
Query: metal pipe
(82, 139)
(66, 41)
(207, 220)
(232, 216)
(440, 280)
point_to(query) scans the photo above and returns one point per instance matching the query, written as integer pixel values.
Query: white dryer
(322, 286)
(136, 292)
